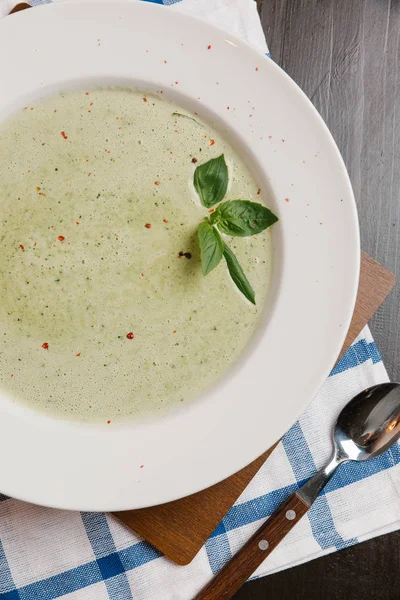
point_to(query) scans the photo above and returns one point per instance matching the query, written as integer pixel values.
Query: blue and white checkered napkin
(46, 554)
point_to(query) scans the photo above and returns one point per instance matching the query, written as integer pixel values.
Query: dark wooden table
(345, 55)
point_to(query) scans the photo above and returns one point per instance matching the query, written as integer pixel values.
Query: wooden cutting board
(179, 529)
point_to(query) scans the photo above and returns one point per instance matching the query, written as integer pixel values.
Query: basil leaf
(211, 181)
(211, 247)
(236, 272)
(242, 218)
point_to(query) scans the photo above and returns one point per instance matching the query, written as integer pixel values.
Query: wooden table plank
(345, 55)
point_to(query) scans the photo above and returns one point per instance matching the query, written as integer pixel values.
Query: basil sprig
(236, 218)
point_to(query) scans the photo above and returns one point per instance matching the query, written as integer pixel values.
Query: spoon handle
(260, 545)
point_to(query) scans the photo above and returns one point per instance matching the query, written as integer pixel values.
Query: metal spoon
(367, 426)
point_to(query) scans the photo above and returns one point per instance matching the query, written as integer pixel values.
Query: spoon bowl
(369, 424)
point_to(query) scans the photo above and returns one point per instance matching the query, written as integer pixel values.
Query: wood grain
(179, 529)
(236, 572)
(346, 57)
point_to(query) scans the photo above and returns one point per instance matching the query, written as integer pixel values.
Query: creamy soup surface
(100, 318)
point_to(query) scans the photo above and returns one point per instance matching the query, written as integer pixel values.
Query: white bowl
(316, 254)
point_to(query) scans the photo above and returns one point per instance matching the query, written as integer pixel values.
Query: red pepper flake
(130, 335)
(91, 104)
(64, 135)
(209, 47)
(41, 194)
(34, 244)
(108, 422)
(76, 222)
(87, 93)
(156, 183)
(32, 108)
(174, 331)
(286, 199)
(45, 346)
(176, 82)
(144, 99)
(256, 68)
(148, 225)
(165, 62)
(142, 274)
(270, 137)
(61, 238)
(89, 111)
(89, 174)
(38, 189)
(141, 466)
(212, 142)
(283, 140)
(228, 108)
(321, 222)
(22, 247)
(165, 220)
(12, 374)
(211, 210)
(194, 160)
(250, 115)
(78, 354)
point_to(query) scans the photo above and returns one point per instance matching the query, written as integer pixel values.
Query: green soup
(100, 317)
